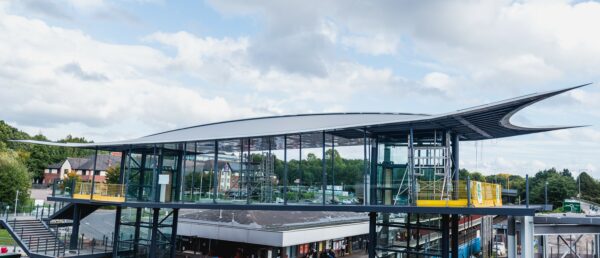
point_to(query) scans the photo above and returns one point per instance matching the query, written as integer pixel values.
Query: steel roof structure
(476, 123)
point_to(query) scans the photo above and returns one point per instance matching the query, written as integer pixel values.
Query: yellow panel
(81, 196)
(442, 203)
(108, 198)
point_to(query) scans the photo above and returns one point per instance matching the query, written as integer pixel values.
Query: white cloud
(53, 77)
(377, 45)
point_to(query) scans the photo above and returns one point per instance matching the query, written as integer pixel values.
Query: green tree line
(22, 164)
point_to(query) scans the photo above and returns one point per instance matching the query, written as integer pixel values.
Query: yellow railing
(102, 192)
(438, 194)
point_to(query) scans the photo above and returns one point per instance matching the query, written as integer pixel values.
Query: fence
(461, 194)
(101, 192)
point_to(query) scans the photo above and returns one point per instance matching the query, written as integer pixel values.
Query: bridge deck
(504, 210)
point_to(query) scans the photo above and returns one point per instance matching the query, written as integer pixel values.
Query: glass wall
(141, 166)
(393, 179)
(228, 172)
(346, 170)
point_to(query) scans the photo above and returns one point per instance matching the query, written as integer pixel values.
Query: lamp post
(546, 194)
(16, 202)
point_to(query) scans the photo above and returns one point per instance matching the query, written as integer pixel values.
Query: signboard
(163, 179)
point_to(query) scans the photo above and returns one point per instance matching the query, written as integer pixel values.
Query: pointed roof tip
(570, 88)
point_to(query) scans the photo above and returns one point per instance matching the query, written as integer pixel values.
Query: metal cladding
(477, 123)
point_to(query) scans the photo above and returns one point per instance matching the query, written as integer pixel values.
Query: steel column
(73, 244)
(136, 233)
(455, 244)
(116, 232)
(174, 232)
(455, 164)
(154, 239)
(122, 166)
(544, 246)
(411, 161)
(215, 172)
(510, 238)
(365, 169)
(372, 244)
(324, 172)
(142, 173)
(373, 174)
(332, 168)
(285, 170)
(94, 174)
(445, 236)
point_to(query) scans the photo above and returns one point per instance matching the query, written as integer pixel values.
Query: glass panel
(311, 165)
(168, 178)
(393, 179)
(260, 166)
(346, 180)
(202, 177)
(228, 172)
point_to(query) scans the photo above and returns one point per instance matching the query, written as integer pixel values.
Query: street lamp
(546, 194)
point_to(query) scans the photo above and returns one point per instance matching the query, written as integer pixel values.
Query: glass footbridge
(362, 162)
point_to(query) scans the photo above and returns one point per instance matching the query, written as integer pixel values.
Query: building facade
(82, 167)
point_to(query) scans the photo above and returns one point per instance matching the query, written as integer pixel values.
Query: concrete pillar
(526, 234)
(510, 237)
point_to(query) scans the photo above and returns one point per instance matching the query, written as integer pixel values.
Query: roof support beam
(472, 126)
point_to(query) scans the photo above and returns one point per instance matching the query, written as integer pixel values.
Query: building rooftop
(476, 123)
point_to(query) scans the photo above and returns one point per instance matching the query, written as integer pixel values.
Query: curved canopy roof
(476, 123)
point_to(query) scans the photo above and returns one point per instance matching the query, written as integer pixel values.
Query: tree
(112, 175)
(590, 188)
(13, 176)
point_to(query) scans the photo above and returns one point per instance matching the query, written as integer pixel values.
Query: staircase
(34, 237)
(66, 212)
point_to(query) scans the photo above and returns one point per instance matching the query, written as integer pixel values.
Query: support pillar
(73, 244)
(510, 238)
(136, 237)
(455, 223)
(597, 246)
(116, 237)
(544, 246)
(174, 232)
(526, 235)
(445, 236)
(154, 239)
(455, 164)
(372, 233)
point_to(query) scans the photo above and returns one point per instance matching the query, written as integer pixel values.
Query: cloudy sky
(109, 70)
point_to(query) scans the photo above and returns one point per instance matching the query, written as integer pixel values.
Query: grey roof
(104, 161)
(476, 123)
(271, 220)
